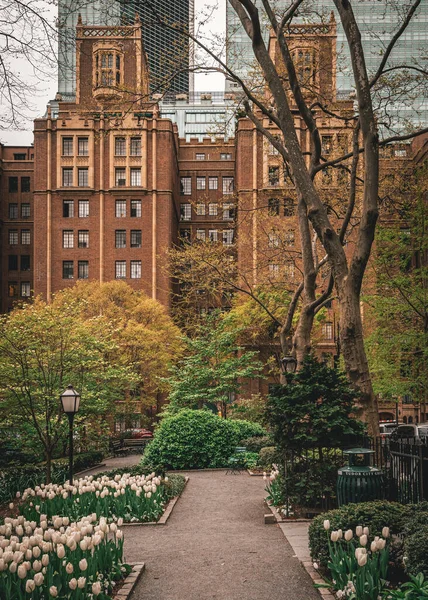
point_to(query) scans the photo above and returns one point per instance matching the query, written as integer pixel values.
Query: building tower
(169, 52)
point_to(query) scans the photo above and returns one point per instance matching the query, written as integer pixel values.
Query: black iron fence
(311, 474)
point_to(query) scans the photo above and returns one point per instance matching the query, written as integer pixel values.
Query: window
(272, 150)
(120, 177)
(135, 269)
(304, 60)
(83, 238)
(135, 208)
(25, 289)
(273, 176)
(68, 238)
(136, 238)
(200, 156)
(225, 156)
(83, 269)
(25, 237)
(13, 211)
(120, 208)
(13, 237)
(67, 269)
(185, 212)
(25, 210)
(185, 237)
(120, 146)
(227, 237)
(83, 175)
(288, 207)
(25, 262)
(120, 269)
(120, 236)
(13, 262)
(273, 270)
(289, 237)
(289, 269)
(213, 183)
(326, 144)
(200, 209)
(67, 146)
(200, 235)
(19, 157)
(68, 208)
(12, 289)
(67, 177)
(13, 185)
(213, 209)
(213, 235)
(135, 177)
(108, 68)
(327, 330)
(228, 211)
(200, 183)
(83, 209)
(273, 240)
(25, 184)
(135, 146)
(83, 146)
(227, 185)
(186, 186)
(327, 176)
(273, 207)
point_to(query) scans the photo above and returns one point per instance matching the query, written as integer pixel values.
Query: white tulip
(83, 564)
(69, 568)
(81, 582)
(363, 540)
(72, 584)
(362, 560)
(30, 586)
(22, 572)
(349, 534)
(326, 524)
(38, 579)
(96, 588)
(37, 566)
(53, 591)
(385, 532)
(366, 531)
(334, 536)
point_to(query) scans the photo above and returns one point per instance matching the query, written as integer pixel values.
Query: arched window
(410, 421)
(405, 420)
(305, 66)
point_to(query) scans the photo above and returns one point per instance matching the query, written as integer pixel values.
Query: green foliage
(250, 409)
(194, 439)
(416, 550)
(268, 456)
(245, 429)
(174, 486)
(415, 589)
(313, 410)
(275, 490)
(256, 443)
(374, 515)
(249, 459)
(211, 370)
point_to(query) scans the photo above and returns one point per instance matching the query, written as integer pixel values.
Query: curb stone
(166, 514)
(307, 565)
(130, 582)
(89, 469)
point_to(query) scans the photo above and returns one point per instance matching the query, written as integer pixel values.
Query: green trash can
(359, 482)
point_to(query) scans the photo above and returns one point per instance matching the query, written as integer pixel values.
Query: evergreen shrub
(196, 439)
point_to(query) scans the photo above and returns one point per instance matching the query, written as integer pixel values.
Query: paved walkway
(216, 546)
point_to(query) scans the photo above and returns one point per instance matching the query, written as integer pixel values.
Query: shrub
(256, 443)
(374, 515)
(174, 486)
(195, 439)
(246, 429)
(416, 552)
(267, 457)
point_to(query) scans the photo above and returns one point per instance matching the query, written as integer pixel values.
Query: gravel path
(216, 545)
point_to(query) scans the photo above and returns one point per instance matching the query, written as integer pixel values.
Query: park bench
(117, 447)
(237, 462)
(132, 443)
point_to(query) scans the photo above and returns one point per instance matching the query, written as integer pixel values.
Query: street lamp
(70, 401)
(289, 364)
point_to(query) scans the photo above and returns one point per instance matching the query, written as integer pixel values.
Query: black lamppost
(70, 401)
(289, 364)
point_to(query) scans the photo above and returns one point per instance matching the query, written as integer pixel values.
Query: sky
(47, 89)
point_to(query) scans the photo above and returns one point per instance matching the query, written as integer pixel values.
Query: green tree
(212, 371)
(314, 410)
(43, 348)
(398, 343)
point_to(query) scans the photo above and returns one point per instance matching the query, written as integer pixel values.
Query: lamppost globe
(70, 401)
(289, 364)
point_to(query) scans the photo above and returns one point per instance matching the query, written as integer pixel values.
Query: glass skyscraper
(169, 52)
(378, 20)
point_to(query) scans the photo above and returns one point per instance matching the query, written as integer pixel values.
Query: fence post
(421, 475)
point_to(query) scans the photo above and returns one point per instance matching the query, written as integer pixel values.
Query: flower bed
(132, 498)
(76, 560)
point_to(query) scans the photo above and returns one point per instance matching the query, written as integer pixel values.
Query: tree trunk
(354, 356)
(302, 336)
(48, 456)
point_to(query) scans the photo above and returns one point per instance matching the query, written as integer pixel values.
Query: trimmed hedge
(267, 457)
(196, 439)
(374, 515)
(416, 551)
(256, 443)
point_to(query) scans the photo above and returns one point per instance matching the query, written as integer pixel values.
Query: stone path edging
(130, 582)
(307, 565)
(166, 514)
(89, 469)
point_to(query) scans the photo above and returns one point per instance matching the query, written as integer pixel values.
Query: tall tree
(43, 348)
